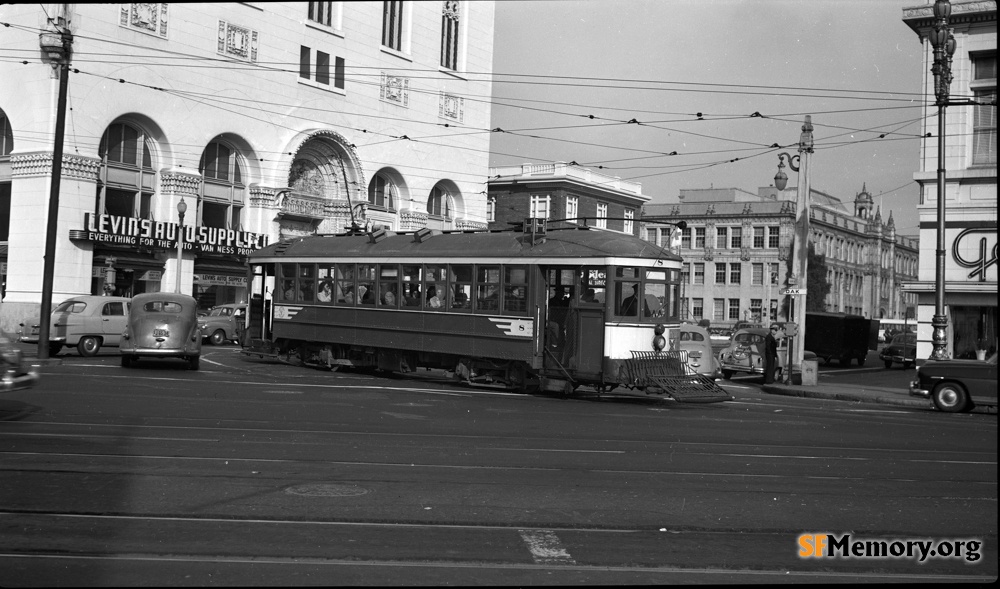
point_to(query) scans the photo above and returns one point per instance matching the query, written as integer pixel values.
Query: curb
(874, 398)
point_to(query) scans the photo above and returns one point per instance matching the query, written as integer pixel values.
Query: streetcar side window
(307, 282)
(366, 284)
(344, 288)
(288, 289)
(324, 274)
(515, 290)
(461, 286)
(388, 285)
(488, 288)
(435, 287)
(412, 276)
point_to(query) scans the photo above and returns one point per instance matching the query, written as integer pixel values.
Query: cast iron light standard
(57, 43)
(181, 209)
(943, 43)
(800, 244)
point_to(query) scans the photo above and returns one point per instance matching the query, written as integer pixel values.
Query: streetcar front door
(574, 322)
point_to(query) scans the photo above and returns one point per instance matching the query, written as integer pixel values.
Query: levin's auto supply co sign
(219, 280)
(117, 230)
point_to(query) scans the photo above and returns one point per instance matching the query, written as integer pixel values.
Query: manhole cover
(326, 490)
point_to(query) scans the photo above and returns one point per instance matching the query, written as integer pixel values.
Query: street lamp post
(181, 209)
(943, 42)
(800, 244)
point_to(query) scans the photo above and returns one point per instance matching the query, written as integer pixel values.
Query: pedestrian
(770, 355)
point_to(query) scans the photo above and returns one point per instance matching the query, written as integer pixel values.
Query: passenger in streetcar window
(289, 290)
(325, 292)
(630, 306)
(388, 294)
(412, 296)
(306, 289)
(367, 296)
(461, 297)
(589, 296)
(433, 301)
(348, 294)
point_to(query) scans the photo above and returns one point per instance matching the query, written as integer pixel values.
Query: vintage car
(162, 325)
(223, 323)
(87, 322)
(15, 373)
(720, 336)
(901, 350)
(698, 344)
(957, 385)
(745, 353)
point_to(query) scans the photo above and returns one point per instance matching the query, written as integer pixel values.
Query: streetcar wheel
(88, 346)
(950, 397)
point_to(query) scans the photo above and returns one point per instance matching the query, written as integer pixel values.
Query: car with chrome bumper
(162, 325)
(902, 349)
(698, 343)
(957, 385)
(223, 323)
(15, 373)
(745, 353)
(87, 322)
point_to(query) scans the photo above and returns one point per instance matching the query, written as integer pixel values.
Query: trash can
(810, 372)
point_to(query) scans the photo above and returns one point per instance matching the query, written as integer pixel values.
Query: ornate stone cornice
(38, 164)
(469, 225)
(183, 183)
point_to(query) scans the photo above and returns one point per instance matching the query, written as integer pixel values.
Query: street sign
(792, 291)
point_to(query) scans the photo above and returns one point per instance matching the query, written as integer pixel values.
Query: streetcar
(528, 308)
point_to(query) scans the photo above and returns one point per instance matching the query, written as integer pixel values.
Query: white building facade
(971, 183)
(268, 120)
(736, 250)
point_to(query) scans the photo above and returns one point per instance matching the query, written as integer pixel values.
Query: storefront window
(975, 328)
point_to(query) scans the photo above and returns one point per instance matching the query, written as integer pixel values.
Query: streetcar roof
(558, 246)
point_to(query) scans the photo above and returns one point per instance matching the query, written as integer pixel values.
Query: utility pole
(57, 42)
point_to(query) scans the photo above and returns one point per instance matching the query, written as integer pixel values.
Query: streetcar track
(672, 445)
(785, 574)
(474, 467)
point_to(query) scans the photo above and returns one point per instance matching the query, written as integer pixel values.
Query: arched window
(125, 183)
(222, 205)
(439, 202)
(382, 192)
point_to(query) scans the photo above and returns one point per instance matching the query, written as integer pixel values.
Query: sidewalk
(857, 394)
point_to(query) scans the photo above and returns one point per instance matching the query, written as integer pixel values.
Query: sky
(851, 64)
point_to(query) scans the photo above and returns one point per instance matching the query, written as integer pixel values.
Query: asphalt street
(255, 473)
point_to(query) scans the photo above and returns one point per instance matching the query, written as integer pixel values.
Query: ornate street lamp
(800, 244)
(943, 42)
(181, 209)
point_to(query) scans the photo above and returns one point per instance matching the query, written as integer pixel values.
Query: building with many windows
(563, 193)
(970, 222)
(736, 251)
(267, 120)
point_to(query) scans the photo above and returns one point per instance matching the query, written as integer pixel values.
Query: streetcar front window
(649, 295)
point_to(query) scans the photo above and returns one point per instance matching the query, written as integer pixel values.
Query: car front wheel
(217, 338)
(950, 397)
(88, 346)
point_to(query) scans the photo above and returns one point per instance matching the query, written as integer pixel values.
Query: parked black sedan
(902, 349)
(957, 385)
